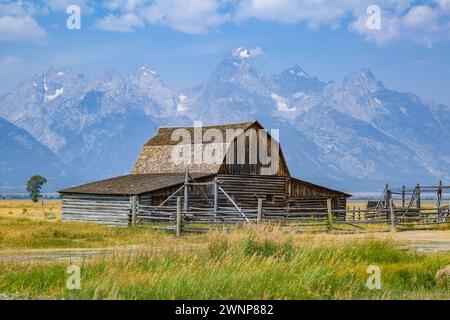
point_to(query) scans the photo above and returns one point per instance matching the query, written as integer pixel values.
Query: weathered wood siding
(231, 164)
(246, 190)
(108, 210)
(301, 189)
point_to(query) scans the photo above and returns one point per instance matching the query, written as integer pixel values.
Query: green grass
(248, 263)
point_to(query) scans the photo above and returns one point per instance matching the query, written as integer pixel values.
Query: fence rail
(304, 219)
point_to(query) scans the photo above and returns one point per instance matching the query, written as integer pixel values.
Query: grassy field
(248, 263)
(28, 209)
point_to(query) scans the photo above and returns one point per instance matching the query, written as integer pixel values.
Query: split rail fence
(326, 219)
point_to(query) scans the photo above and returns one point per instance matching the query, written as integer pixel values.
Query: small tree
(34, 187)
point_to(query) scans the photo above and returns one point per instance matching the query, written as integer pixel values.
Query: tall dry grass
(248, 263)
(31, 210)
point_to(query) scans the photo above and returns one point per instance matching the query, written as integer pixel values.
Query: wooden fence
(302, 219)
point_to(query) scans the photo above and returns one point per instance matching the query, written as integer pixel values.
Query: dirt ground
(58, 255)
(421, 241)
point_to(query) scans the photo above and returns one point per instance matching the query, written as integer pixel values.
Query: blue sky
(184, 40)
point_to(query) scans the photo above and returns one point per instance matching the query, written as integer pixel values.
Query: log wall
(107, 210)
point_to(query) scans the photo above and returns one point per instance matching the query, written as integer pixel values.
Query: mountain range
(354, 134)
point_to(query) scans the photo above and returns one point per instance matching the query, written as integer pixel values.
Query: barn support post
(260, 211)
(330, 214)
(392, 215)
(133, 203)
(179, 227)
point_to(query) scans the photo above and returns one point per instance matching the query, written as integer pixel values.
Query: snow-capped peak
(144, 76)
(241, 52)
(365, 75)
(298, 72)
(146, 70)
(109, 80)
(363, 79)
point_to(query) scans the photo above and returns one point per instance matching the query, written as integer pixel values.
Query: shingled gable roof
(155, 156)
(133, 184)
(164, 135)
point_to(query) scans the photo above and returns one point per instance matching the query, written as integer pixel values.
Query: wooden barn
(235, 179)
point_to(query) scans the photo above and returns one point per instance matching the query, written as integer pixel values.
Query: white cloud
(194, 16)
(19, 8)
(62, 5)
(257, 51)
(312, 12)
(124, 5)
(125, 23)
(402, 20)
(23, 28)
(419, 24)
(444, 5)
(389, 32)
(421, 16)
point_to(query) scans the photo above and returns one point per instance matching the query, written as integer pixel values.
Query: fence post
(133, 210)
(260, 211)
(186, 192)
(391, 207)
(330, 214)
(403, 196)
(418, 202)
(439, 195)
(216, 197)
(179, 217)
(386, 196)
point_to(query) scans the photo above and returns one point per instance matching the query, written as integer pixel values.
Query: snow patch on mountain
(58, 92)
(181, 105)
(282, 104)
(241, 52)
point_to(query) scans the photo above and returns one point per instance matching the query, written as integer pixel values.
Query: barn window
(269, 198)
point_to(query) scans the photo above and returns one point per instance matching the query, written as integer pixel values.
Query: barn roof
(164, 135)
(133, 184)
(156, 155)
(310, 184)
